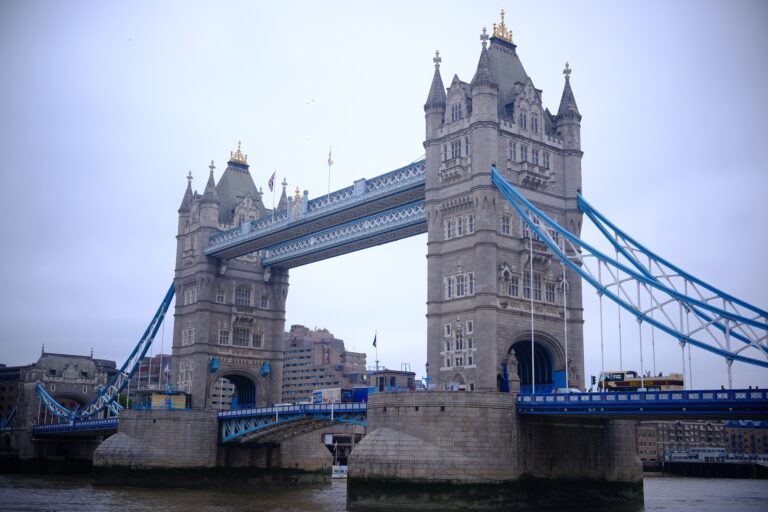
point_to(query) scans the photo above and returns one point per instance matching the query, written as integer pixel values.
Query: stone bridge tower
(230, 315)
(481, 285)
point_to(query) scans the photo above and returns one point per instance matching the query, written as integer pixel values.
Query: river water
(46, 493)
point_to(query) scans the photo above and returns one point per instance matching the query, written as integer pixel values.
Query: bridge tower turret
(230, 314)
(482, 281)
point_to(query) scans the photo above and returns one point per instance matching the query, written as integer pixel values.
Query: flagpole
(375, 338)
(273, 194)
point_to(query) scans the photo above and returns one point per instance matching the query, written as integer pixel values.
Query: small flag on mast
(374, 339)
(271, 182)
(330, 160)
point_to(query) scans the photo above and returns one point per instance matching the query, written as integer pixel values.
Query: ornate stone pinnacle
(437, 60)
(211, 167)
(484, 37)
(189, 178)
(567, 71)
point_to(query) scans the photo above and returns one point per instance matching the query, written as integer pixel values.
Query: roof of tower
(436, 98)
(234, 184)
(505, 64)
(568, 101)
(209, 194)
(507, 68)
(186, 203)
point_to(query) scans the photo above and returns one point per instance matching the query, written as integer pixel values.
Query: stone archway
(235, 389)
(535, 371)
(458, 382)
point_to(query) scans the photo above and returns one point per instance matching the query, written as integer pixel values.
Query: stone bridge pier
(459, 450)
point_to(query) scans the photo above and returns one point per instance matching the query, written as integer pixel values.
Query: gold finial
(237, 156)
(500, 31)
(297, 196)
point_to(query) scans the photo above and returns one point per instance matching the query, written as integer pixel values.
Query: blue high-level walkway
(367, 213)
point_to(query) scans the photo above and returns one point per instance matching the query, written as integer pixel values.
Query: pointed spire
(484, 74)
(283, 203)
(568, 101)
(210, 195)
(436, 98)
(186, 203)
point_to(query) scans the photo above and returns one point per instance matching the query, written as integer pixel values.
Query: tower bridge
(499, 195)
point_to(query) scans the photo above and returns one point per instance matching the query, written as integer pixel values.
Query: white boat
(339, 472)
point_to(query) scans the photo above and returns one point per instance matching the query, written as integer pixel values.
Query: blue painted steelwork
(237, 423)
(630, 247)
(77, 426)
(106, 400)
(5, 423)
(715, 403)
(526, 210)
(363, 191)
(376, 225)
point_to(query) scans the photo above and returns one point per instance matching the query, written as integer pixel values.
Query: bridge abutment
(453, 450)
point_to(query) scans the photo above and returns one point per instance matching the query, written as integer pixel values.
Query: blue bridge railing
(76, 426)
(733, 403)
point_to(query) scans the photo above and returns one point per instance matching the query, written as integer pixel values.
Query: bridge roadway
(273, 424)
(368, 213)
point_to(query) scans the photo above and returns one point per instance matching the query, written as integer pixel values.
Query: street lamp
(427, 379)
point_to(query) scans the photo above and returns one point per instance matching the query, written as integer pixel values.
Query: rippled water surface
(46, 493)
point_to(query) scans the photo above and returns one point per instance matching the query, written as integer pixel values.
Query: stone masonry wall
(579, 448)
(161, 439)
(307, 451)
(465, 437)
(440, 436)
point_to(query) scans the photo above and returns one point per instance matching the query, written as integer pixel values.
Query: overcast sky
(106, 106)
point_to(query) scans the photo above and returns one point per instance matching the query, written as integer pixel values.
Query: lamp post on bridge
(427, 379)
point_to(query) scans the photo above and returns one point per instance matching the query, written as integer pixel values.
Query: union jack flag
(271, 182)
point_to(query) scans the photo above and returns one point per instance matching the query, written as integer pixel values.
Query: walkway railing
(77, 426)
(361, 191)
(410, 214)
(717, 402)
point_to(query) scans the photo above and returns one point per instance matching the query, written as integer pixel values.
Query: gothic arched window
(243, 296)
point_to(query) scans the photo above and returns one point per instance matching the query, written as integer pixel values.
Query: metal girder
(272, 424)
(383, 227)
(628, 285)
(364, 198)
